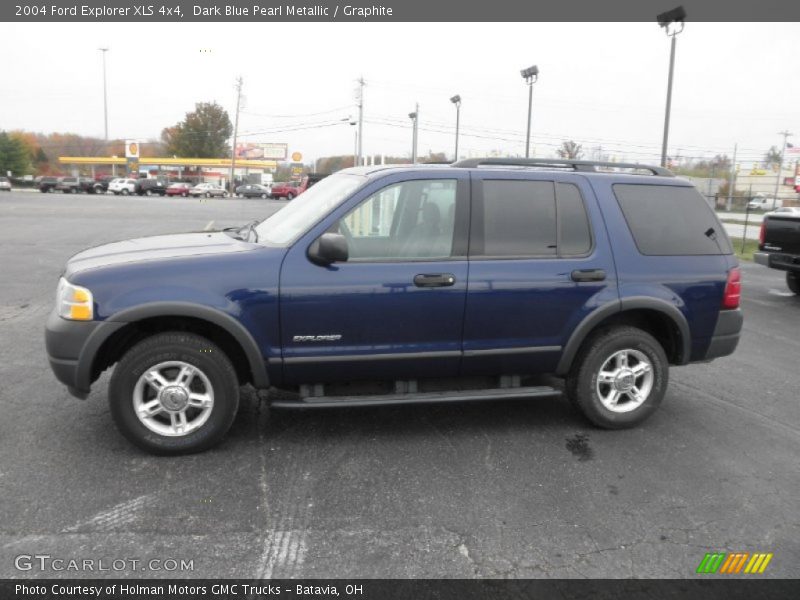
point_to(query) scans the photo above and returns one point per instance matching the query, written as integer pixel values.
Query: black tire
(263, 196)
(582, 385)
(174, 346)
(125, 192)
(793, 282)
(289, 196)
(148, 193)
(184, 195)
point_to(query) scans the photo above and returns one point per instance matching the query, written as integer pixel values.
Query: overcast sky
(600, 84)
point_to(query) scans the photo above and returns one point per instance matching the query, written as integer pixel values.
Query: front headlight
(74, 302)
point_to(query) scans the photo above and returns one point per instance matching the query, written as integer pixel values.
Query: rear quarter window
(668, 220)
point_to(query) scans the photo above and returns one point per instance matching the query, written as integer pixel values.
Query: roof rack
(561, 163)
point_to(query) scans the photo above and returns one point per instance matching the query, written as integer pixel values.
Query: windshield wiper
(249, 227)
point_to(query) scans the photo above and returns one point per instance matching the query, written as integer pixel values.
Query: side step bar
(418, 398)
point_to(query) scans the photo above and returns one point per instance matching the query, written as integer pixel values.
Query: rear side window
(519, 218)
(533, 218)
(671, 221)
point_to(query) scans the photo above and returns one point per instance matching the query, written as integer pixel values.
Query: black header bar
(267, 11)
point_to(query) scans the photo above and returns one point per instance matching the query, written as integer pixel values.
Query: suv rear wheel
(174, 393)
(619, 377)
(793, 282)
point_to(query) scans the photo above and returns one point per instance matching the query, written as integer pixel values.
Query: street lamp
(105, 96)
(457, 101)
(414, 116)
(530, 75)
(674, 17)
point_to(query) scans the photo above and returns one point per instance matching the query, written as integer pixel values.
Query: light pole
(105, 95)
(785, 135)
(671, 17)
(530, 75)
(457, 101)
(414, 116)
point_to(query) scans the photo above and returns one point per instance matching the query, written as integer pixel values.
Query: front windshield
(286, 225)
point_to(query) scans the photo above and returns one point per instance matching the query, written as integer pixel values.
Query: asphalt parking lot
(503, 489)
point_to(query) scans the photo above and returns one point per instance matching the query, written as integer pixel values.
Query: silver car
(5, 184)
(208, 190)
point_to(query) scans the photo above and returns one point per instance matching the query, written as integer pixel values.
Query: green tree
(13, 156)
(203, 133)
(570, 149)
(772, 156)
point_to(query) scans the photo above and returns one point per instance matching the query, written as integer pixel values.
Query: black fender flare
(624, 304)
(172, 309)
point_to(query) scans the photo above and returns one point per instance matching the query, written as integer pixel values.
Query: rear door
(539, 263)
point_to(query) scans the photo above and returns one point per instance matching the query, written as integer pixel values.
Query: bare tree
(570, 149)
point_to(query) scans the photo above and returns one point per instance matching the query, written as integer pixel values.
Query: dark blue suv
(400, 284)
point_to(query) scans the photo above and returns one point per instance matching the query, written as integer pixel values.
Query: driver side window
(412, 220)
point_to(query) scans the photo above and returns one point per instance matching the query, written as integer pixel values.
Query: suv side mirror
(328, 249)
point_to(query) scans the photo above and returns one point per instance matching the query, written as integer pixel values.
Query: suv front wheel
(619, 377)
(174, 393)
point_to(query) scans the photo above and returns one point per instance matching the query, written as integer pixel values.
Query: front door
(395, 308)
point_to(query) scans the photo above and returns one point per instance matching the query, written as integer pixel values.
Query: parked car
(101, 183)
(293, 189)
(415, 284)
(148, 187)
(122, 186)
(179, 189)
(786, 210)
(764, 203)
(75, 185)
(47, 183)
(5, 184)
(208, 190)
(779, 244)
(285, 189)
(253, 190)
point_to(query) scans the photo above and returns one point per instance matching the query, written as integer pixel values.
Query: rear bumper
(726, 334)
(778, 260)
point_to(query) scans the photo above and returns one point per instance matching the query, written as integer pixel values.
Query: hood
(158, 247)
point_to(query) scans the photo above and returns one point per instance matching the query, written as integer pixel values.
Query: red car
(179, 189)
(286, 190)
(295, 188)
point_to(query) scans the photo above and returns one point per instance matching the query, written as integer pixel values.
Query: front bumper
(726, 334)
(72, 347)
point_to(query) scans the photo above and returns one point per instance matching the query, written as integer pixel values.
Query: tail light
(762, 232)
(733, 289)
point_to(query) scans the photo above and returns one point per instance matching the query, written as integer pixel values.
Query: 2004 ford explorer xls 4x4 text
(383, 285)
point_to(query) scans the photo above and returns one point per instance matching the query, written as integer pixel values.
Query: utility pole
(360, 148)
(105, 94)
(414, 116)
(732, 179)
(235, 131)
(785, 135)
